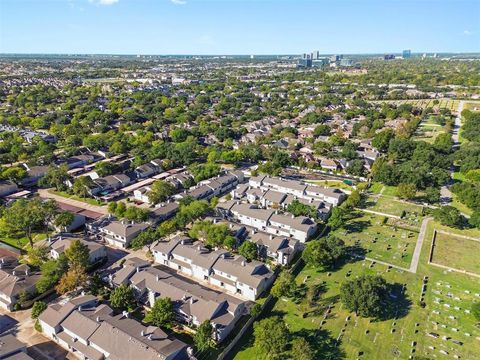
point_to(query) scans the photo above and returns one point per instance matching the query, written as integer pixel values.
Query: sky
(165, 27)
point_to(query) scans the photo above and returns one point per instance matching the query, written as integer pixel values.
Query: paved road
(418, 246)
(44, 193)
(445, 193)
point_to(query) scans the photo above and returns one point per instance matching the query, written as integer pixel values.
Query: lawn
(74, 197)
(331, 183)
(381, 241)
(20, 242)
(375, 188)
(456, 252)
(391, 206)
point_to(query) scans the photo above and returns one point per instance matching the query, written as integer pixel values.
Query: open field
(74, 197)
(381, 241)
(439, 328)
(331, 183)
(456, 252)
(472, 105)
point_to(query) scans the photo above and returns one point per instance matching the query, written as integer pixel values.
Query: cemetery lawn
(444, 314)
(457, 253)
(381, 241)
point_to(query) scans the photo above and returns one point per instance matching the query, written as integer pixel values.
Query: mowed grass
(448, 297)
(457, 252)
(389, 205)
(384, 242)
(331, 183)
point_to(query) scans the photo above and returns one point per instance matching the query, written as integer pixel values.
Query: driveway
(39, 347)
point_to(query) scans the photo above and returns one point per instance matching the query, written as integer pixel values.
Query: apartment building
(121, 233)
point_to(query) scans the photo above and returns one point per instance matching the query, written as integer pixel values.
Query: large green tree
(324, 252)
(364, 295)
(271, 337)
(162, 313)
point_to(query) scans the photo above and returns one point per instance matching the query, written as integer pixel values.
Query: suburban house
(193, 260)
(7, 188)
(280, 249)
(59, 244)
(164, 211)
(34, 174)
(15, 278)
(193, 303)
(270, 221)
(121, 233)
(96, 333)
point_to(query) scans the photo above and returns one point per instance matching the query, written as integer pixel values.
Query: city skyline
(178, 27)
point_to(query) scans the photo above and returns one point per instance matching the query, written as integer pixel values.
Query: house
(146, 170)
(110, 183)
(13, 349)
(298, 227)
(7, 188)
(330, 195)
(15, 279)
(34, 174)
(280, 249)
(79, 160)
(193, 303)
(328, 164)
(193, 260)
(59, 244)
(164, 212)
(237, 276)
(95, 333)
(121, 233)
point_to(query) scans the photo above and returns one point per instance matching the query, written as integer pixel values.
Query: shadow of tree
(357, 226)
(322, 343)
(397, 304)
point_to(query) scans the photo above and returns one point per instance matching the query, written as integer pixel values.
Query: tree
(25, 216)
(51, 271)
(475, 219)
(449, 216)
(78, 254)
(432, 195)
(324, 252)
(285, 285)
(337, 218)
(476, 310)
(203, 337)
(37, 255)
(364, 295)
(162, 313)
(443, 143)
(55, 177)
(123, 297)
(248, 250)
(74, 278)
(356, 167)
(382, 139)
(302, 350)
(63, 220)
(299, 209)
(37, 308)
(15, 174)
(406, 191)
(271, 336)
(160, 191)
(353, 200)
(81, 186)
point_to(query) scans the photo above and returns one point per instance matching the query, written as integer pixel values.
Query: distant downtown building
(406, 54)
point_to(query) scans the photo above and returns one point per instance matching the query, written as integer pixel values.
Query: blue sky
(238, 26)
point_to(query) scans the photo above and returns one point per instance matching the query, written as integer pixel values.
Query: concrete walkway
(418, 246)
(379, 213)
(44, 193)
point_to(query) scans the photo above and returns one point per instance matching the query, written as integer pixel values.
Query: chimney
(98, 318)
(243, 263)
(157, 278)
(125, 314)
(293, 216)
(80, 308)
(142, 333)
(271, 237)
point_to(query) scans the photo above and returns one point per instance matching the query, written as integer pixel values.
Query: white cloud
(103, 2)
(178, 2)
(467, 32)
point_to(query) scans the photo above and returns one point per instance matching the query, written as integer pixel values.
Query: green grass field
(384, 242)
(74, 197)
(447, 297)
(456, 252)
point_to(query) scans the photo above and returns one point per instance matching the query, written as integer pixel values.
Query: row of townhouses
(217, 268)
(270, 221)
(193, 303)
(94, 332)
